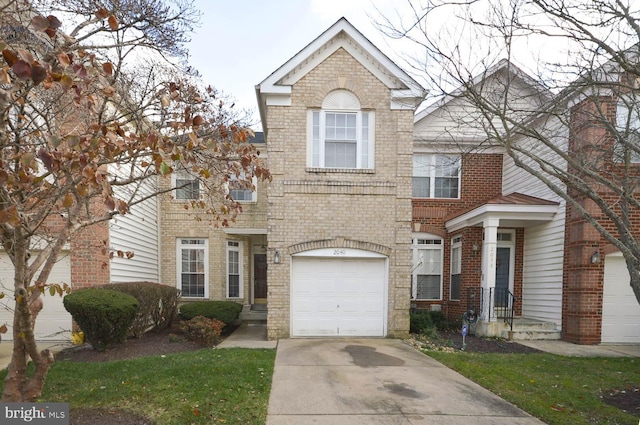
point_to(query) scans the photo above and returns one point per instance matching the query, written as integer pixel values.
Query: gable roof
(276, 88)
(513, 210)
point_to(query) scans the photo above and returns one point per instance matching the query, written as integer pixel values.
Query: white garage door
(620, 310)
(53, 322)
(338, 296)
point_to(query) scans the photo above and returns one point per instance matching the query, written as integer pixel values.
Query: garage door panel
(53, 322)
(331, 297)
(620, 309)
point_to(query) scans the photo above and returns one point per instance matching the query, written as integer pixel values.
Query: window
(341, 135)
(234, 269)
(436, 176)
(456, 268)
(187, 187)
(239, 192)
(426, 277)
(628, 127)
(193, 267)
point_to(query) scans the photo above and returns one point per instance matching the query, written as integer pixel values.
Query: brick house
(375, 209)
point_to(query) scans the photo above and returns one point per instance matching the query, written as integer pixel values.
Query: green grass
(199, 387)
(558, 390)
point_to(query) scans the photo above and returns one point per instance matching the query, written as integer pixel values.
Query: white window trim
(254, 192)
(622, 114)
(359, 140)
(179, 248)
(432, 176)
(415, 247)
(456, 243)
(186, 176)
(239, 250)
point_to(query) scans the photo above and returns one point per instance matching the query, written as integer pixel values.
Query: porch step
(532, 329)
(250, 315)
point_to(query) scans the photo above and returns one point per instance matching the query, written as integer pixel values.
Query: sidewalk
(249, 335)
(6, 347)
(567, 349)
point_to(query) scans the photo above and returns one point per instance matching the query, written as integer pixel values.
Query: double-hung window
(340, 134)
(234, 269)
(426, 277)
(436, 176)
(192, 267)
(187, 187)
(627, 146)
(239, 190)
(456, 268)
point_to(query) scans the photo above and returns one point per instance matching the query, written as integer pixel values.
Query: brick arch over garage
(339, 243)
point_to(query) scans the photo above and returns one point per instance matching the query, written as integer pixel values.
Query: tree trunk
(18, 386)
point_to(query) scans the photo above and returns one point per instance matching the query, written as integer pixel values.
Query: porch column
(489, 246)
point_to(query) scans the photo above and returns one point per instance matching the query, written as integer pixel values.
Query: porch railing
(503, 305)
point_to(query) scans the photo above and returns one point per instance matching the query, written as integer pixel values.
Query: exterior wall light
(595, 257)
(276, 257)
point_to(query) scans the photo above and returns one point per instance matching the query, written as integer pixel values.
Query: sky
(241, 42)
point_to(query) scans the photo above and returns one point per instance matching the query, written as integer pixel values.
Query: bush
(225, 311)
(158, 305)
(104, 316)
(202, 330)
(420, 323)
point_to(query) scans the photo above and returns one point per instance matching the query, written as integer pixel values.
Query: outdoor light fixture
(475, 247)
(595, 257)
(276, 257)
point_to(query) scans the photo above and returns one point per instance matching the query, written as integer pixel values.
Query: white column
(489, 247)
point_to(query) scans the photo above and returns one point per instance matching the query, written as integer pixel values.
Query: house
(375, 209)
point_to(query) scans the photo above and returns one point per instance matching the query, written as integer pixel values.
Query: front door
(260, 278)
(503, 266)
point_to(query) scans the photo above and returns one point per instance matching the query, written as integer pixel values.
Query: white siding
(543, 245)
(136, 231)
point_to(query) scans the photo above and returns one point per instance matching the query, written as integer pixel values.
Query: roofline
(270, 87)
(502, 211)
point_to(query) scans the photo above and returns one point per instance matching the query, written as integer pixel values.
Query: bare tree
(91, 118)
(578, 129)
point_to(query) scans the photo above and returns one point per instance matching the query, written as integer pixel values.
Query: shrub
(225, 311)
(103, 315)
(420, 323)
(158, 305)
(202, 330)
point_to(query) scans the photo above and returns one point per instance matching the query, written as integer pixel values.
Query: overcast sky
(241, 42)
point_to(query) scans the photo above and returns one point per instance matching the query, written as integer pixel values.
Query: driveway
(376, 381)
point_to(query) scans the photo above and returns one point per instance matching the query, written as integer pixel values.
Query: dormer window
(341, 135)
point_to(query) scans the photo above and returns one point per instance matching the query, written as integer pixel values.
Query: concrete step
(532, 329)
(249, 315)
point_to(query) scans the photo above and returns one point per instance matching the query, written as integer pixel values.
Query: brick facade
(356, 208)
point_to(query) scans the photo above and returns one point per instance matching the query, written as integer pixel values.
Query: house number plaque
(339, 252)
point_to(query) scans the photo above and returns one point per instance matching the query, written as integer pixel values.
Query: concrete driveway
(376, 381)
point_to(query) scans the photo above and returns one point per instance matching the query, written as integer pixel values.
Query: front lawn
(558, 390)
(198, 387)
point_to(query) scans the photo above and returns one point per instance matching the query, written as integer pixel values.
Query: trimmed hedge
(104, 316)
(225, 311)
(158, 305)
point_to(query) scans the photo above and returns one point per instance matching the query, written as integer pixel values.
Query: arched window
(628, 129)
(341, 135)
